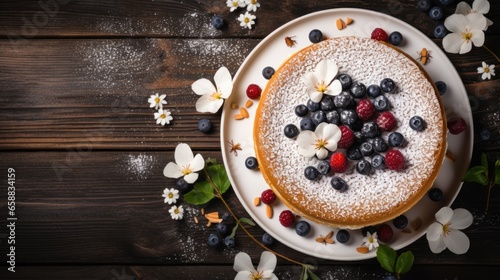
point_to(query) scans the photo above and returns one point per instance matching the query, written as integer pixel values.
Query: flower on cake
(243, 265)
(163, 117)
(186, 165)
(252, 5)
(445, 232)
(324, 138)
(320, 82)
(466, 30)
(235, 4)
(177, 213)
(212, 97)
(370, 240)
(157, 101)
(486, 70)
(247, 20)
(170, 195)
(478, 6)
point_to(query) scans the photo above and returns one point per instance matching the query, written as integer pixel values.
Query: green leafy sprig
(390, 261)
(480, 175)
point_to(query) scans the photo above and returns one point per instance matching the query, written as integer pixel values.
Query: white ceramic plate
(273, 51)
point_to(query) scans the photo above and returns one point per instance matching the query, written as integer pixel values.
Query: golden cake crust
(371, 199)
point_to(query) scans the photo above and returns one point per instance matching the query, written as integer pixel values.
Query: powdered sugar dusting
(140, 166)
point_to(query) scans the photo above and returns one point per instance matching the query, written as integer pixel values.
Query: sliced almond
(269, 211)
(249, 103)
(238, 117)
(450, 156)
(256, 201)
(195, 220)
(348, 21)
(212, 215)
(330, 234)
(416, 224)
(209, 224)
(215, 221)
(362, 250)
(320, 239)
(203, 211)
(340, 24)
(244, 112)
(406, 230)
(234, 105)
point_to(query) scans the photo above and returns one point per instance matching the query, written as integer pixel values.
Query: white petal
(444, 215)
(243, 275)
(462, 8)
(224, 82)
(322, 153)
(206, 104)
(242, 262)
(320, 130)
(465, 47)
(476, 21)
(477, 38)
(274, 277)
(203, 86)
(183, 154)
(172, 170)
(484, 65)
(481, 6)
(332, 70)
(461, 219)
(452, 43)
(332, 133)
(484, 76)
(456, 23)
(197, 163)
(310, 80)
(315, 95)
(434, 232)
(191, 178)
(267, 262)
(457, 242)
(335, 88)
(306, 139)
(480, 70)
(437, 246)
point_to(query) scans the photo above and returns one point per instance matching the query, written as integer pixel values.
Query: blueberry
(222, 229)
(324, 167)
(357, 125)
(436, 13)
(363, 167)
(307, 124)
(396, 139)
(370, 130)
(315, 36)
(381, 103)
(318, 117)
(313, 106)
(373, 91)
(396, 38)
(291, 131)
(268, 72)
(370, 229)
(424, 5)
(348, 117)
(345, 81)
(182, 185)
(227, 218)
(214, 240)
(338, 184)
(251, 162)
(217, 22)
(417, 123)
(267, 239)
(440, 31)
(378, 162)
(333, 117)
(390, 277)
(436, 194)
(358, 138)
(204, 125)
(311, 173)
(441, 86)
(366, 149)
(400, 222)
(387, 85)
(379, 145)
(343, 236)
(301, 110)
(326, 104)
(446, 2)
(229, 241)
(302, 228)
(358, 90)
(354, 153)
(343, 99)
(485, 134)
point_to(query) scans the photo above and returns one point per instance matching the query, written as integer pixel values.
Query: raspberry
(394, 160)
(338, 162)
(268, 196)
(253, 91)
(365, 109)
(386, 121)
(385, 233)
(347, 137)
(380, 35)
(287, 218)
(456, 125)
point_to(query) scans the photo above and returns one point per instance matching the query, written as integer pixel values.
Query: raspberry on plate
(456, 125)
(347, 138)
(394, 160)
(338, 162)
(268, 196)
(365, 109)
(287, 218)
(385, 233)
(253, 91)
(380, 35)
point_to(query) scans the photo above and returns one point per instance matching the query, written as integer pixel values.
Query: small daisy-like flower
(320, 82)
(177, 213)
(186, 165)
(478, 6)
(170, 195)
(370, 241)
(252, 5)
(466, 30)
(445, 232)
(157, 101)
(246, 271)
(486, 71)
(235, 4)
(163, 117)
(323, 139)
(247, 20)
(212, 97)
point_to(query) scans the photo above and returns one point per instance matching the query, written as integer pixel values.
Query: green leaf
(312, 275)
(484, 162)
(497, 172)
(218, 175)
(386, 256)
(247, 221)
(202, 193)
(477, 174)
(404, 262)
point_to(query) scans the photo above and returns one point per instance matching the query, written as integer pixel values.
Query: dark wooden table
(75, 125)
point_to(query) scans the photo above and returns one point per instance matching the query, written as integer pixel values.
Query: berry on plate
(268, 196)
(268, 72)
(302, 228)
(385, 233)
(253, 91)
(379, 34)
(456, 125)
(315, 36)
(287, 218)
(395, 38)
(343, 236)
(251, 163)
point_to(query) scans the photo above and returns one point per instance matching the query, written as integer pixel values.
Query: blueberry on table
(395, 38)
(217, 22)
(370, 130)
(343, 236)
(424, 5)
(315, 36)
(368, 229)
(204, 125)
(222, 229)
(251, 162)
(440, 31)
(436, 13)
(446, 2)
(229, 241)
(268, 72)
(267, 239)
(302, 228)
(485, 134)
(214, 240)
(182, 185)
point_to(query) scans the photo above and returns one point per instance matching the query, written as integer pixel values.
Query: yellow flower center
(321, 143)
(256, 275)
(253, 1)
(467, 36)
(163, 116)
(170, 195)
(216, 95)
(487, 69)
(247, 20)
(235, 3)
(446, 229)
(186, 170)
(176, 211)
(370, 239)
(157, 100)
(321, 87)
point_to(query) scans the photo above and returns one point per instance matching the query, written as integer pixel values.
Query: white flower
(157, 101)
(252, 5)
(445, 233)
(170, 195)
(370, 241)
(163, 117)
(465, 31)
(320, 82)
(185, 164)
(486, 71)
(177, 213)
(324, 138)
(478, 6)
(212, 97)
(243, 265)
(235, 4)
(247, 20)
